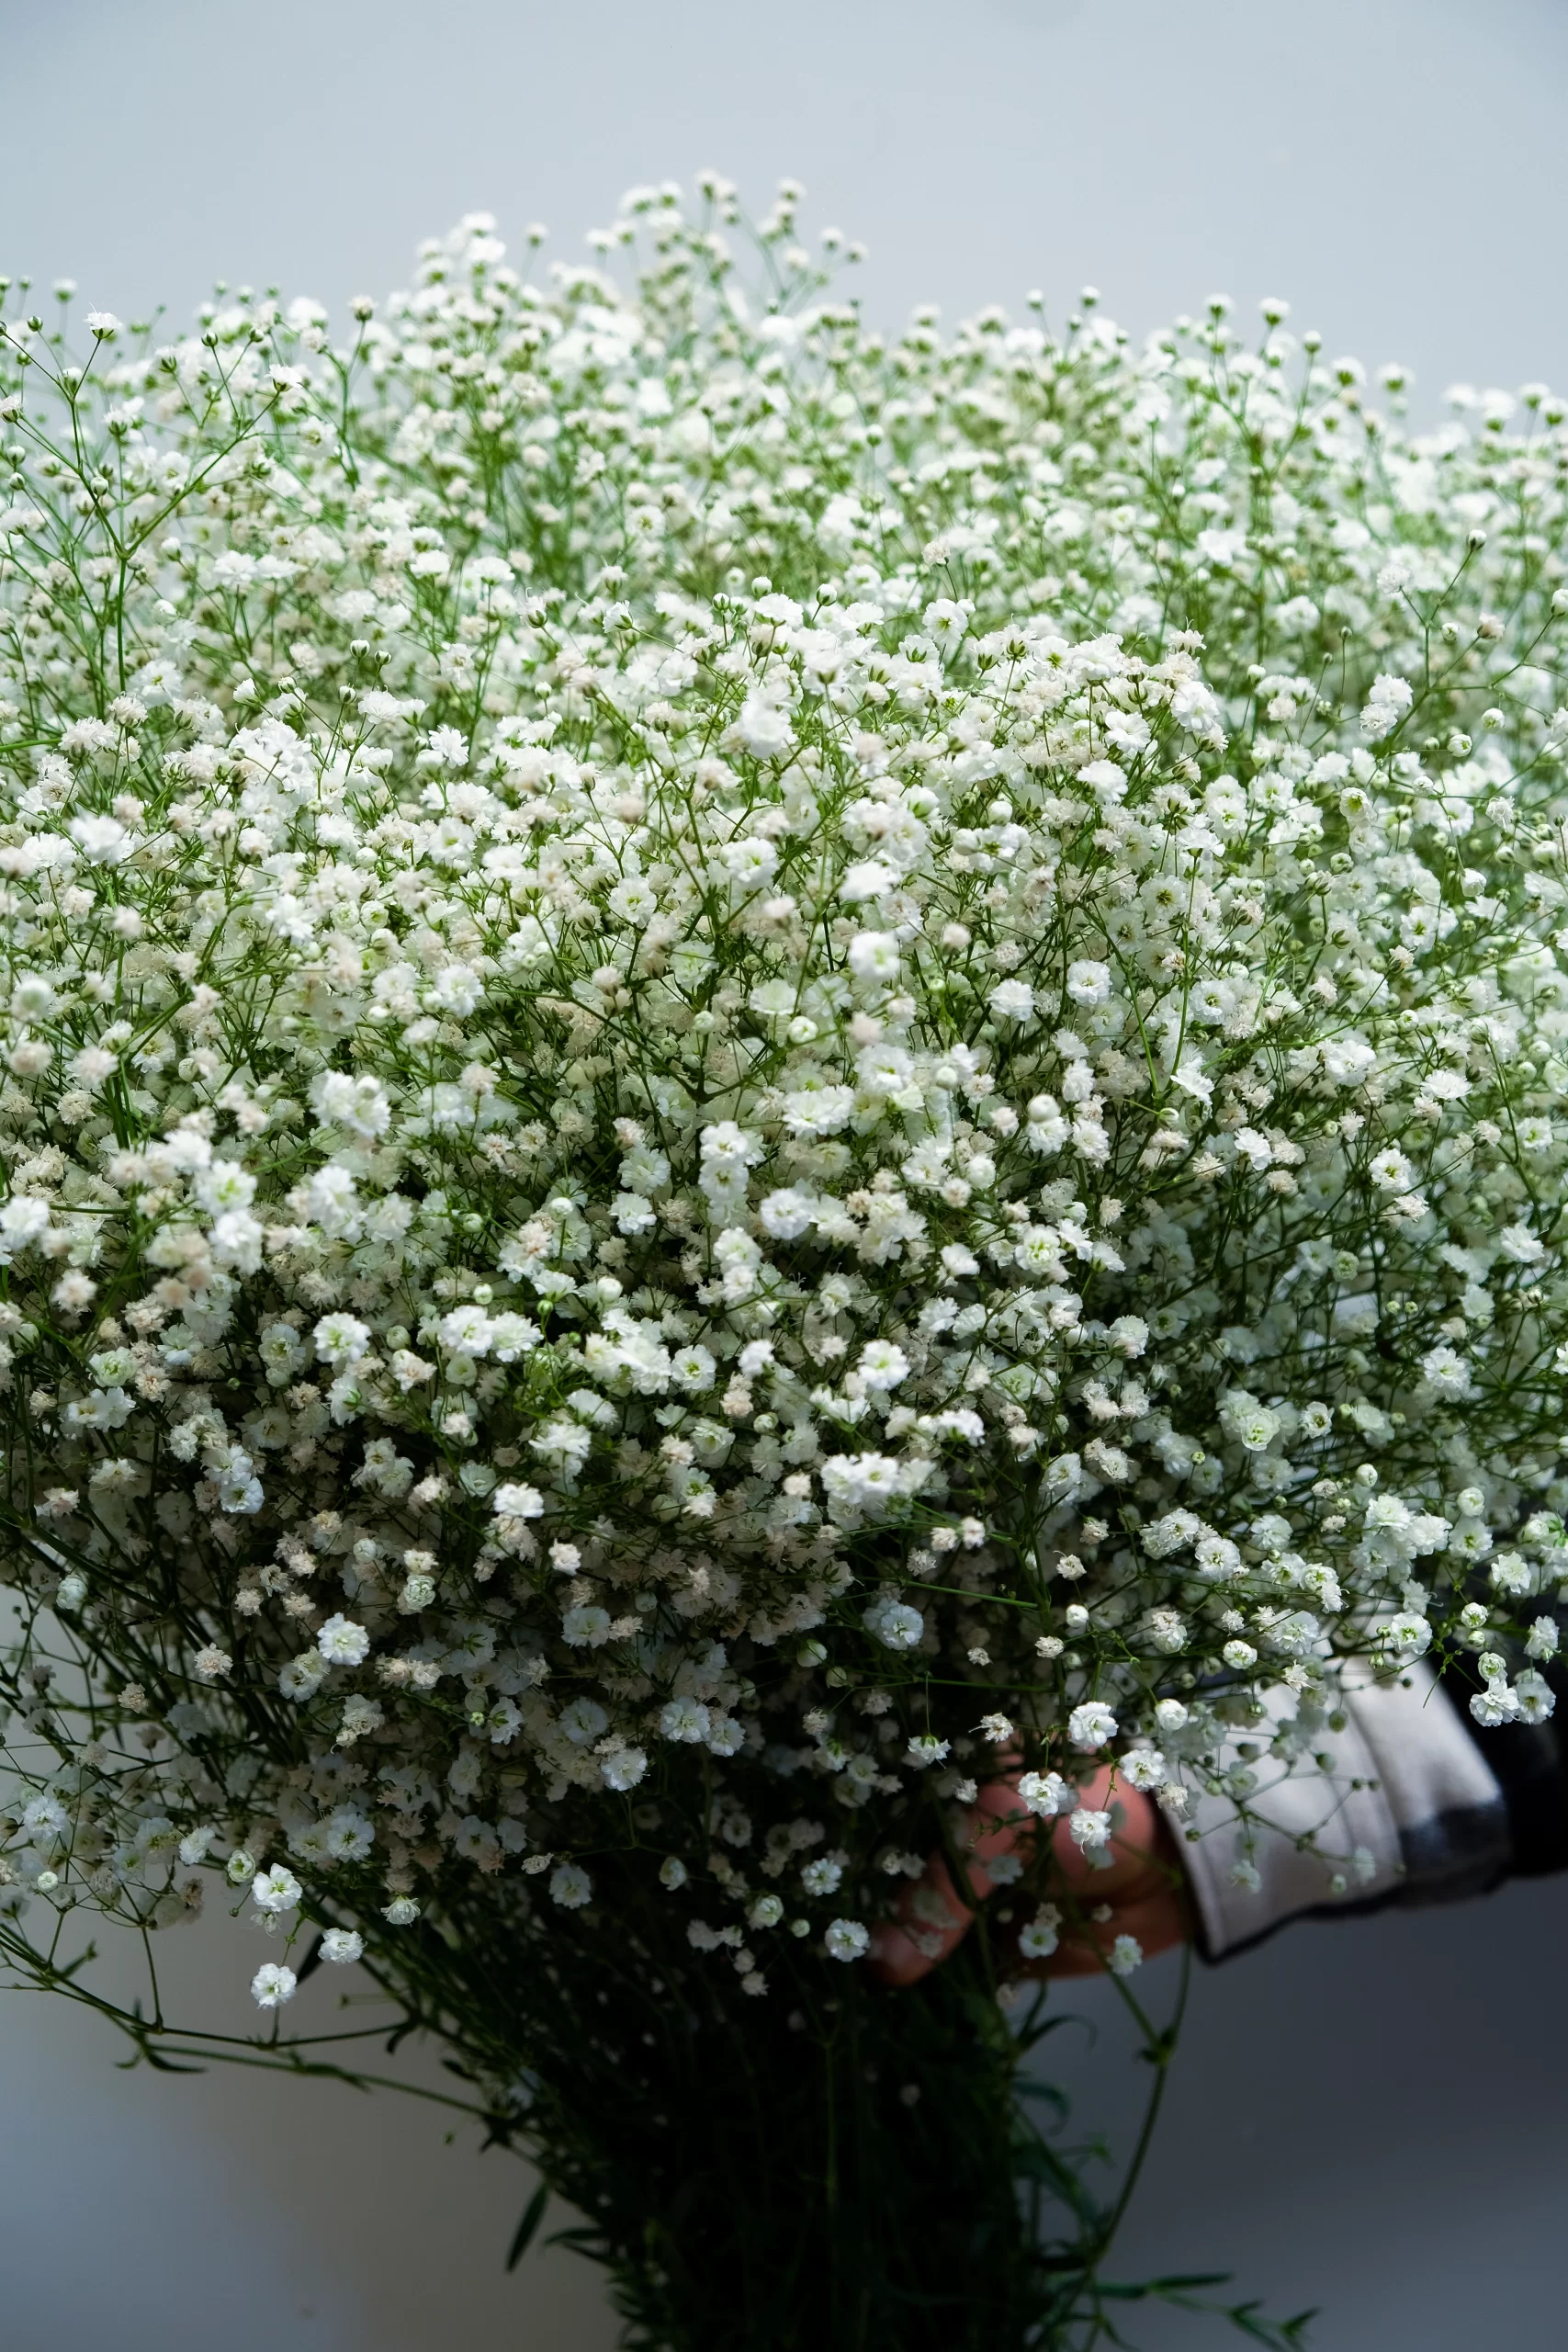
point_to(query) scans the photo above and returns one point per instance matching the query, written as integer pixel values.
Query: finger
(1102, 1875)
(934, 1920)
(1159, 1922)
(1155, 1925)
(998, 1821)
(935, 1916)
(894, 1958)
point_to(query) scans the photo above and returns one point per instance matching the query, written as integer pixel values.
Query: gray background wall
(1368, 2117)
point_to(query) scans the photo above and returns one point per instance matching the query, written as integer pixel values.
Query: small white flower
(764, 728)
(357, 1104)
(349, 1836)
(1091, 1725)
(895, 1625)
(1407, 1636)
(466, 1330)
(272, 1986)
(882, 1365)
(784, 1216)
(1533, 1697)
(571, 1886)
(343, 1643)
(624, 1768)
(1043, 1794)
(102, 841)
(302, 1677)
(750, 861)
(513, 1501)
(1012, 1001)
(1494, 1706)
(1390, 1171)
(945, 621)
(275, 1889)
(727, 1735)
(869, 878)
(1509, 1575)
(685, 1720)
(1040, 1937)
(1544, 1640)
(1089, 982)
(360, 1717)
(1390, 698)
(45, 1820)
(23, 1220)
(342, 1340)
(874, 955)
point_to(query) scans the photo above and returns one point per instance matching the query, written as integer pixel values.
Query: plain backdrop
(1365, 2116)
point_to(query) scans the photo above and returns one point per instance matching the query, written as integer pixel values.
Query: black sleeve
(1529, 1763)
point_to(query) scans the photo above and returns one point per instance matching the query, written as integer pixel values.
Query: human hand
(1139, 1887)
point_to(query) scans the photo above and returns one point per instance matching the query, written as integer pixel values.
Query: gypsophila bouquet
(746, 1064)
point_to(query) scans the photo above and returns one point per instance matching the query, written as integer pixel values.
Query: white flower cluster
(743, 1064)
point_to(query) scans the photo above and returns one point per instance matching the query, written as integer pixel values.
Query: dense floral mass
(746, 1063)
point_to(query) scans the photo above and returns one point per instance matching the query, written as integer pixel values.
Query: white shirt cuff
(1408, 1811)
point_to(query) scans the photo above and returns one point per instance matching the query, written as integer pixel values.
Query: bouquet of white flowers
(748, 1067)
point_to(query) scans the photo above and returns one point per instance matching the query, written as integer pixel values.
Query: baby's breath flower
(734, 1060)
(273, 1984)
